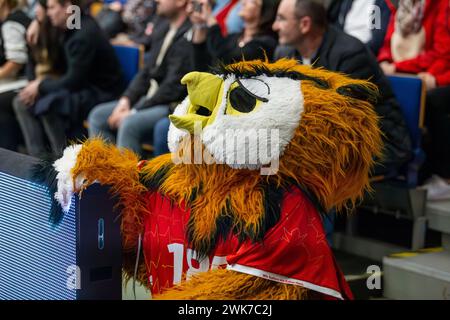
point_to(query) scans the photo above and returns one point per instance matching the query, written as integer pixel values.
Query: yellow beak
(204, 91)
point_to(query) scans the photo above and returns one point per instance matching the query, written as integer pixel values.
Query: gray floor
(357, 271)
(420, 274)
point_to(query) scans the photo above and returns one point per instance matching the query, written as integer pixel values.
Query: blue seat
(130, 59)
(394, 195)
(410, 92)
(123, 2)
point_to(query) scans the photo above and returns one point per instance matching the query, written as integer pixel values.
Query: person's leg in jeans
(98, 121)
(31, 127)
(139, 127)
(160, 133)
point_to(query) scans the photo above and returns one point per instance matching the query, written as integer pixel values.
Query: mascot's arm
(230, 285)
(96, 161)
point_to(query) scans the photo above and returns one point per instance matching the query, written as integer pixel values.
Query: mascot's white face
(242, 122)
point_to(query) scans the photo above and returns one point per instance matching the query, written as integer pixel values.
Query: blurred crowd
(76, 86)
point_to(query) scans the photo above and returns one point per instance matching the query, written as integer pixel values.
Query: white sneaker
(437, 188)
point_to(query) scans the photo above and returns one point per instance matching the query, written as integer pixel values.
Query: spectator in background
(302, 26)
(256, 41)
(157, 86)
(421, 38)
(359, 18)
(131, 20)
(54, 108)
(412, 43)
(13, 58)
(160, 133)
(109, 18)
(140, 20)
(138, 16)
(46, 55)
(437, 143)
(13, 49)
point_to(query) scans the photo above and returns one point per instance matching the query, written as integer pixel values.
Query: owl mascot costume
(260, 152)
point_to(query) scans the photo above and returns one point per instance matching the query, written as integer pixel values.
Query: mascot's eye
(243, 100)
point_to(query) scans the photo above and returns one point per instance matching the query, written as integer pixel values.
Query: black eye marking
(251, 93)
(242, 100)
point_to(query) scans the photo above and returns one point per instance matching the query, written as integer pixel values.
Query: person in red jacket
(417, 42)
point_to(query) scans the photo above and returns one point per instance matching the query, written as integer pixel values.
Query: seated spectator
(412, 44)
(157, 86)
(13, 58)
(257, 40)
(109, 18)
(359, 19)
(46, 55)
(13, 51)
(54, 108)
(437, 143)
(138, 16)
(302, 25)
(130, 20)
(160, 133)
(417, 42)
(140, 20)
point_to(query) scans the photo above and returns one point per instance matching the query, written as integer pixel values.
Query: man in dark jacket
(157, 86)
(51, 108)
(305, 34)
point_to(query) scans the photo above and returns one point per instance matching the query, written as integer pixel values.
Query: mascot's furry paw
(66, 185)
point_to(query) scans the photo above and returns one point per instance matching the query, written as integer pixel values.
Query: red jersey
(294, 251)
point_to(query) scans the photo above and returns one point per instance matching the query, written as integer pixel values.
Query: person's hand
(33, 32)
(388, 68)
(429, 79)
(120, 112)
(200, 13)
(29, 94)
(116, 6)
(123, 39)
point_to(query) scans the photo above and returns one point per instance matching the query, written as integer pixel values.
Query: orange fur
(331, 154)
(108, 165)
(229, 285)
